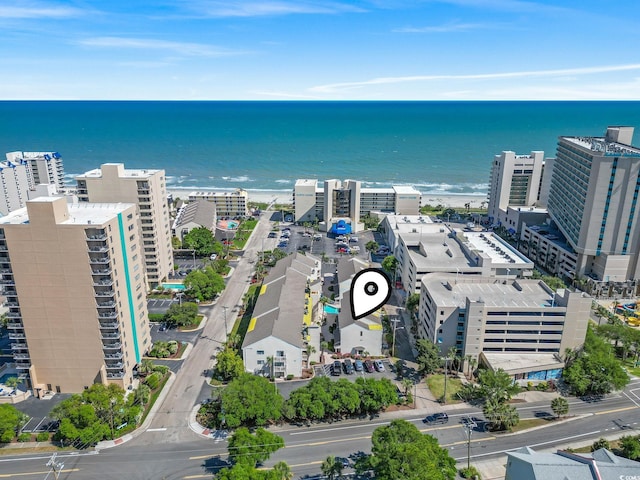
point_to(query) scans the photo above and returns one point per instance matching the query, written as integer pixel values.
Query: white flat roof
(405, 189)
(495, 247)
(522, 361)
(83, 213)
(237, 192)
(306, 182)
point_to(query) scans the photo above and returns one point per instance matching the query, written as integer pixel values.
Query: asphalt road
(306, 447)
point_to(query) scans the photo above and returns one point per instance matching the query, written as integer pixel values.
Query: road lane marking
(156, 429)
(317, 462)
(616, 410)
(464, 442)
(10, 475)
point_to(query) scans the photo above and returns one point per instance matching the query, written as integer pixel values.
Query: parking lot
(320, 243)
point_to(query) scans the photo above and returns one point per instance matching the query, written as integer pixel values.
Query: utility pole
(446, 365)
(56, 467)
(468, 427)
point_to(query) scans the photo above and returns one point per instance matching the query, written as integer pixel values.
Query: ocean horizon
(440, 147)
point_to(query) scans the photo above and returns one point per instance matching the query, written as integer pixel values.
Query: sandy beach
(286, 197)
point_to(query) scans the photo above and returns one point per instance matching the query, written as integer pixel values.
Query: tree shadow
(214, 464)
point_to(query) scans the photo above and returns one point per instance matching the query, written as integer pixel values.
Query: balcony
(102, 271)
(115, 366)
(11, 304)
(19, 346)
(15, 326)
(7, 281)
(97, 237)
(110, 336)
(17, 336)
(3, 248)
(107, 316)
(119, 374)
(103, 282)
(112, 346)
(105, 293)
(108, 326)
(99, 260)
(14, 315)
(21, 356)
(22, 366)
(101, 249)
(106, 304)
(111, 356)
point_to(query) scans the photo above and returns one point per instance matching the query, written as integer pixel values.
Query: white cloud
(337, 87)
(38, 12)
(448, 27)
(270, 8)
(182, 48)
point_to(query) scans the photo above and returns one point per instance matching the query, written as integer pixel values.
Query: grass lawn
(243, 234)
(436, 385)
(530, 423)
(193, 326)
(154, 397)
(633, 370)
(241, 324)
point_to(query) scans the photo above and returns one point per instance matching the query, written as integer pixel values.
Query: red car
(368, 366)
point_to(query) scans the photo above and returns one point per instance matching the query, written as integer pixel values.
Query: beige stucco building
(147, 189)
(73, 277)
(228, 204)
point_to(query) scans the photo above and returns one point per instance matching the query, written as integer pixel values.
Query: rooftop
(236, 192)
(306, 182)
(510, 362)
(83, 213)
(495, 247)
(122, 172)
(450, 290)
(604, 147)
(200, 212)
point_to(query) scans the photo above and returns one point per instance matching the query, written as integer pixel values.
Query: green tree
(372, 246)
(201, 240)
(250, 400)
(501, 415)
(229, 364)
(176, 243)
(12, 382)
(413, 301)
(560, 406)
(399, 451)
(630, 447)
(11, 420)
(390, 265)
(331, 467)
(281, 471)
(204, 284)
(376, 395)
(497, 385)
(600, 443)
(181, 314)
(428, 358)
(252, 449)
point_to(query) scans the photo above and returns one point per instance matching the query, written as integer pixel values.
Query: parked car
(379, 366)
(213, 256)
(368, 366)
(348, 367)
(272, 235)
(353, 239)
(358, 365)
(436, 418)
(282, 245)
(336, 370)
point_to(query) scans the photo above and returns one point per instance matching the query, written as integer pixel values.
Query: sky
(320, 50)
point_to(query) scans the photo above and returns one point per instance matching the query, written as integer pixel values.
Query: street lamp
(194, 258)
(180, 295)
(469, 426)
(446, 367)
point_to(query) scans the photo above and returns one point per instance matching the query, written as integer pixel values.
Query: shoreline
(286, 197)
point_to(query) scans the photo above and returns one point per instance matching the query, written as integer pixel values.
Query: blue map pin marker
(370, 290)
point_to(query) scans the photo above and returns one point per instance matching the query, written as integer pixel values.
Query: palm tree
(310, 351)
(232, 340)
(407, 383)
(467, 359)
(331, 467)
(282, 471)
(473, 363)
(145, 367)
(560, 406)
(452, 354)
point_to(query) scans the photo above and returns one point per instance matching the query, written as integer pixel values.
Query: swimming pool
(173, 286)
(4, 377)
(331, 309)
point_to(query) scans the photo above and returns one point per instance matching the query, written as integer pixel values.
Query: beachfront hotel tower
(147, 189)
(593, 200)
(73, 279)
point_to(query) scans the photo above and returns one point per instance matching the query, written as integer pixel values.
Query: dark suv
(436, 418)
(336, 370)
(348, 366)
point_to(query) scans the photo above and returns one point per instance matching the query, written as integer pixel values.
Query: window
(130, 216)
(280, 353)
(260, 352)
(260, 362)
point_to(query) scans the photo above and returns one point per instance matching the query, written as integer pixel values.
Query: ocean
(442, 148)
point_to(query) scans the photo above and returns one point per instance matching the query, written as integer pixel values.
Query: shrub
(600, 443)
(153, 381)
(156, 317)
(290, 376)
(542, 387)
(42, 437)
(161, 369)
(471, 472)
(529, 386)
(24, 437)
(173, 347)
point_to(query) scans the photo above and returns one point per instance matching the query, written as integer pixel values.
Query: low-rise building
(527, 464)
(192, 215)
(278, 333)
(228, 204)
(492, 316)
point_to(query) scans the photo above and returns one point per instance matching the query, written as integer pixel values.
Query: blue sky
(320, 50)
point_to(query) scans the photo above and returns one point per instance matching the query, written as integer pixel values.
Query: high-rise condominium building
(517, 191)
(73, 277)
(593, 201)
(228, 204)
(26, 175)
(147, 189)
